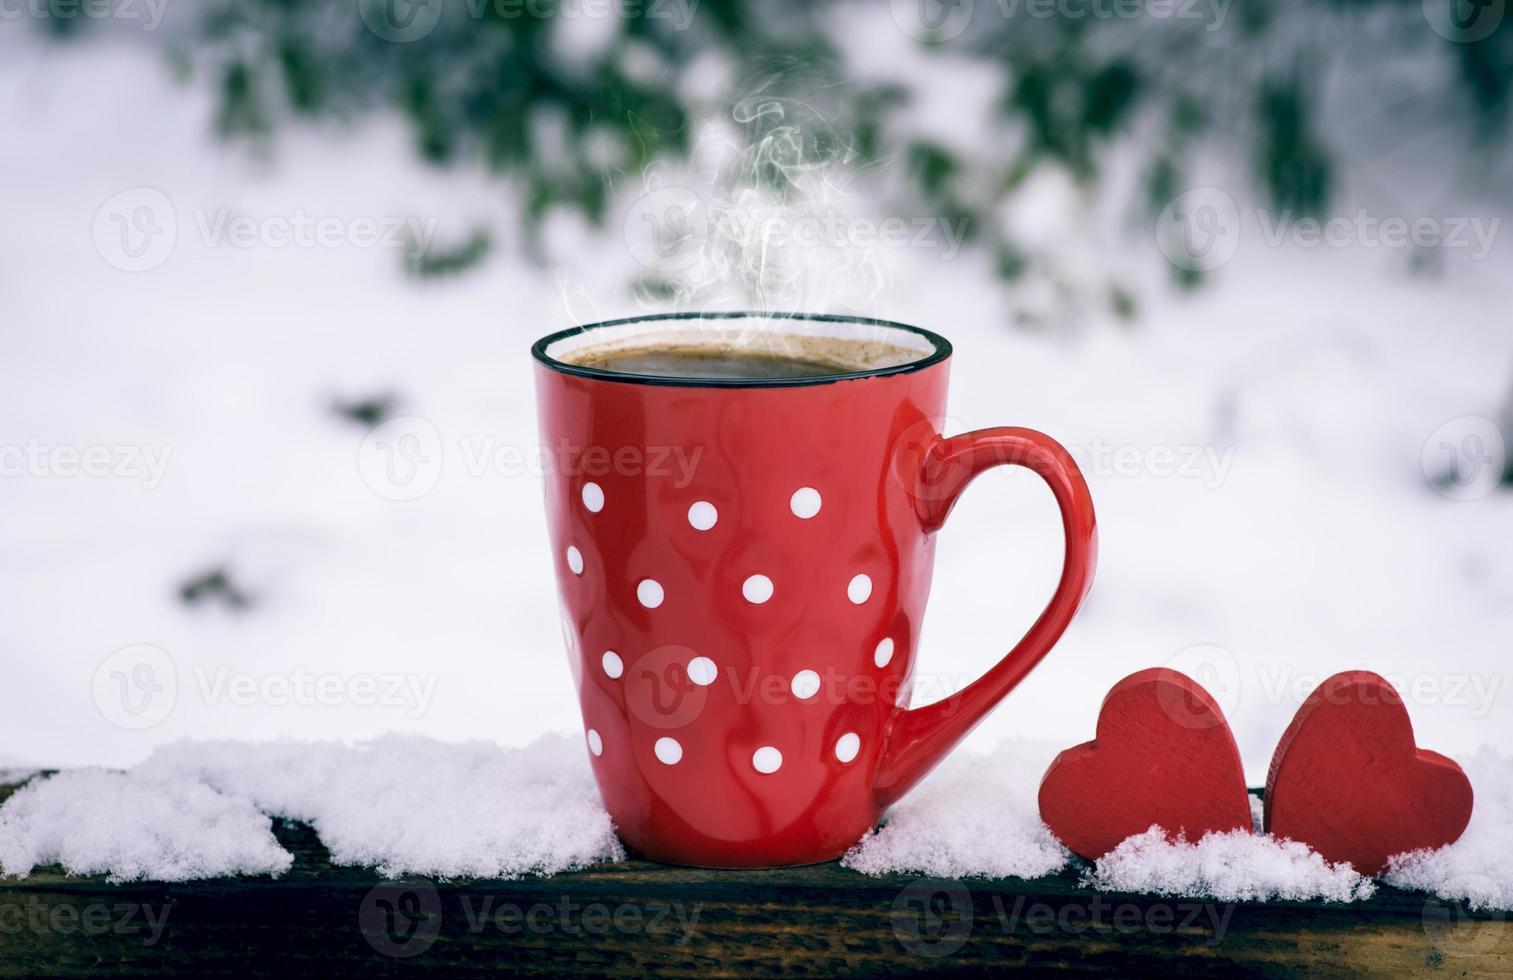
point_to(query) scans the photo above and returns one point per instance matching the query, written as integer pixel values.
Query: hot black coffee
(710, 362)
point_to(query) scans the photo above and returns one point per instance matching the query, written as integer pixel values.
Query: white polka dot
(767, 759)
(860, 589)
(805, 685)
(649, 593)
(668, 750)
(884, 652)
(702, 671)
(847, 746)
(593, 497)
(805, 502)
(595, 743)
(757, 589)
(702, 515)
(613, 665)
(575, 560)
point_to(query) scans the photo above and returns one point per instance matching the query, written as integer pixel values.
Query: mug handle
(920, 737)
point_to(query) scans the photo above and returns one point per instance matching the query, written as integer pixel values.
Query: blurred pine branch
(569, 107)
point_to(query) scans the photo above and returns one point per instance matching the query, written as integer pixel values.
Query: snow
(408, 805)
(132, 826)
(402, 805)
(1478, 868)
(976, 816)
(1231, 867)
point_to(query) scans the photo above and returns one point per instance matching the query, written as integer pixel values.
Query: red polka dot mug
(743, 565)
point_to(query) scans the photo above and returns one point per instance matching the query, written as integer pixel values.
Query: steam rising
(759, 218)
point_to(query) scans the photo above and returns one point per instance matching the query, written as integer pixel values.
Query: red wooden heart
(1163, 755)
(1348, 780)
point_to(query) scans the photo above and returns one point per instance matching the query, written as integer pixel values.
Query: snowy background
(1267, 453)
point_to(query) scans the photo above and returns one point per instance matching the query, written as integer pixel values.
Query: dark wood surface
(637, 918)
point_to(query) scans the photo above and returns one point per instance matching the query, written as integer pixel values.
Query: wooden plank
(638, 918)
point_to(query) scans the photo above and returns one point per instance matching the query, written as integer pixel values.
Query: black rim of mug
(942, 350)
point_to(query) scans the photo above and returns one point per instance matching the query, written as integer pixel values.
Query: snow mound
(411, 805)
(132, 827)
(1231, 867)
(404, 805)
(1478, 868)
(976, 815)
